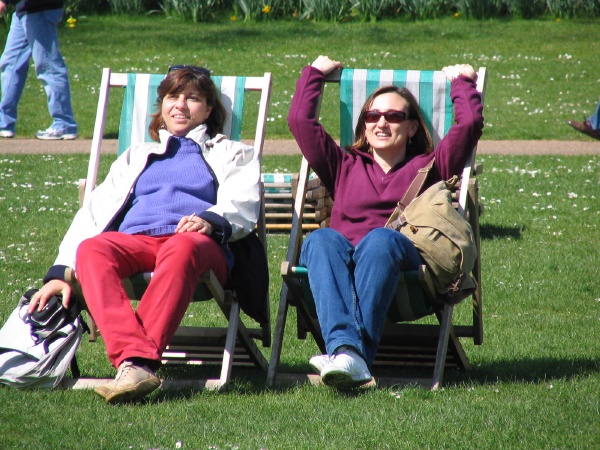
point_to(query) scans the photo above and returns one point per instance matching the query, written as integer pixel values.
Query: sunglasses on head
(391, 116)
(195, 69)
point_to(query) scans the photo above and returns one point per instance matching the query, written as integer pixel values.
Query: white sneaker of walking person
(346, 369)
(51, 134)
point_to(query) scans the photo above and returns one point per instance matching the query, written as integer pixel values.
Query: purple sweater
(364, 194)
(171, 186)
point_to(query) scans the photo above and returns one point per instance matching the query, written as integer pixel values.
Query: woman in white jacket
(168, 207)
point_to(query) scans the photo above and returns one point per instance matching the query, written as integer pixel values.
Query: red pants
(178, 262)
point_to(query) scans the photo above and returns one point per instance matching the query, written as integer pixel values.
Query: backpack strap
(397, 219)
(415, 187)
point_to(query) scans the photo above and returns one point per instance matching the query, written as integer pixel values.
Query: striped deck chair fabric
(140, 102)
(431, 89)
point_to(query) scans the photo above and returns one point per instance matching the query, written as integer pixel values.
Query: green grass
(534, 384)
(541, 72)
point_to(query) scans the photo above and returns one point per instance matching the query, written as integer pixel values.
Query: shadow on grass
(253, 382)
(244, 381)
(491, 232)
(532, 370)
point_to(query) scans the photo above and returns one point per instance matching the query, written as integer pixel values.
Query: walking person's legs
(14, 65)
(42, 33)
(590, 125)
(594, 119)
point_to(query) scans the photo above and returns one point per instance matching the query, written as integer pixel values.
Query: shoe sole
(103, 391)
(138, 391)
(53, 138)
(341, 380)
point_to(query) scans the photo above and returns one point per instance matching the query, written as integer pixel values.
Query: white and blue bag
(37, 349)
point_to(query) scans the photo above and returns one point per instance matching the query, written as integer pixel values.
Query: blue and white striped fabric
(140, 103)
(431, 89)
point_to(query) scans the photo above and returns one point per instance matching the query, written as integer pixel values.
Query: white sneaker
(346, 369)
(52, 134)
(317, 362)
(7, 134)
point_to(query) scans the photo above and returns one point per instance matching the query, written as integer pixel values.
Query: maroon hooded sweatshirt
(364, 195)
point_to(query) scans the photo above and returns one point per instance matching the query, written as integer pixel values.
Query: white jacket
(233, 163)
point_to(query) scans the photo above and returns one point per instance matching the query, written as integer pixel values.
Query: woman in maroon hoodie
(353, 266)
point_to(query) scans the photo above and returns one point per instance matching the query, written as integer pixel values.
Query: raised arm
(320, 150)
(453, 151)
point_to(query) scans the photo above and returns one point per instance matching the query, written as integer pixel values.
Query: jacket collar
(199, 135)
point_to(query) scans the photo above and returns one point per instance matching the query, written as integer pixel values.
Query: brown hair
(421, 142)
(174, 83)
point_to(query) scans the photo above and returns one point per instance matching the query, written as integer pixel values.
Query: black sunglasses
(195, 69)
(391, 116)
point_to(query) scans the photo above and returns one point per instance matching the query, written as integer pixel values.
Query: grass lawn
(541, 72)
(534, 384)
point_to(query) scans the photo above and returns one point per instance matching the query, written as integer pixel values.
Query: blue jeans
(35, 35)
(354, 286)
(594, 119)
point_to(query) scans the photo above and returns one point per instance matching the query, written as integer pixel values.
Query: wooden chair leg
(442, 347)
(278, 336)
(94, 333)
(228, 353)
(477, 295)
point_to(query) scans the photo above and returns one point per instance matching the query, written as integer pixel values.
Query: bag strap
(415, 187)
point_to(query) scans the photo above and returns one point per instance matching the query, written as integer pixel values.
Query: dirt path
(289, 147)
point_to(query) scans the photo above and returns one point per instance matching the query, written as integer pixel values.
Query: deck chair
(414, 344)
(234, 344)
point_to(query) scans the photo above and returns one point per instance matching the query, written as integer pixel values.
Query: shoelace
(125, 367)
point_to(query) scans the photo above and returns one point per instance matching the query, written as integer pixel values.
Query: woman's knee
(385, 242)
(189, 244)
(91, 247)
(324, 242)
(325, 238)
(192, 253)
(97, 252)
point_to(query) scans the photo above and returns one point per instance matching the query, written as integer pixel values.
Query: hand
(326, 65)
(457, 70)
(2, 7)
(52, 287)
(194, 223)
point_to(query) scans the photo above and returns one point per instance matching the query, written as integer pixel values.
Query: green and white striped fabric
(431, 88)
(140, 103)
(277, 177)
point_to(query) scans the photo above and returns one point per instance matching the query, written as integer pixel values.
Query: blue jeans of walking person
(594, 119)
(35, 35)
(354, 286)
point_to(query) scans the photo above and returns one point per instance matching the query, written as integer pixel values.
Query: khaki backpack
(442, 236)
